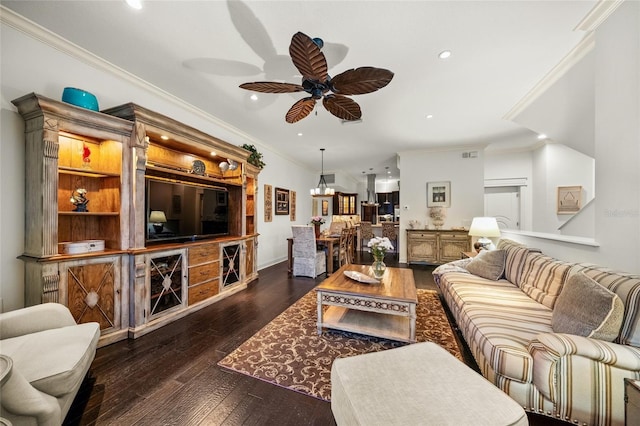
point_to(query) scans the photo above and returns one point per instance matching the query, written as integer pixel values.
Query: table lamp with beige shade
(484, 228)
(157, 218)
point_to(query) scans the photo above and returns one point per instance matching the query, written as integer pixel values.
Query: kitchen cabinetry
(345, 204)
(436, 246)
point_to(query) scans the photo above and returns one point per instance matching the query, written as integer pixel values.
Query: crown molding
(49, 38)
(576, 54)
(598, 14)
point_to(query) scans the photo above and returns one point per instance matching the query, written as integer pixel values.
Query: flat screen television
(177, 211)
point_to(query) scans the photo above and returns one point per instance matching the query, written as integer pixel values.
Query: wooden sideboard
(436, 246)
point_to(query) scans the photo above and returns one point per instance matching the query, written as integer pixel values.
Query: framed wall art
(325, 207)
(569, 199)
(439, 194)
(268, 203)
(282, 201)
(292, 205)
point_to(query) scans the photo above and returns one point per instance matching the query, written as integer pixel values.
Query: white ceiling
(200, 51)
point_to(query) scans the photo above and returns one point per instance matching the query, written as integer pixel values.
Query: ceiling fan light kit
(312, 64)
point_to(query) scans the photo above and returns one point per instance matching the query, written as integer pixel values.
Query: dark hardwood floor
(170, 376)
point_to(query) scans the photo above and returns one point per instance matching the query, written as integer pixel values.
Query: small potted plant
(256, 157)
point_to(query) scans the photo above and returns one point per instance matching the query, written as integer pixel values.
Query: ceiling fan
(312, 64)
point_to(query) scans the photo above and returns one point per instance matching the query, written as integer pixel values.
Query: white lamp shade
(484, 227)
(157, 216)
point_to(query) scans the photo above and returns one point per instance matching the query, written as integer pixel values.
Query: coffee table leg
(412, 322)
(319, 324)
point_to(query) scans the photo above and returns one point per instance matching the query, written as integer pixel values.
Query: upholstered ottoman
(419, 384)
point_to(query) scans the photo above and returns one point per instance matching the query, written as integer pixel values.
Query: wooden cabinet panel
(452, 245)
(204, 253)
(436, 246)
(205, 272)
(422, 247)
(204, 291)
(91, 292)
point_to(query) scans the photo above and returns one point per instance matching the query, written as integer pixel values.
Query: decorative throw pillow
(488, 264)
(585, 308)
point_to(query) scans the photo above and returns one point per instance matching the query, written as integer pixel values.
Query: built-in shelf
(85, 172)
(89, 213)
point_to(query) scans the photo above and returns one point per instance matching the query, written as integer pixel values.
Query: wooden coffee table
(386, 309)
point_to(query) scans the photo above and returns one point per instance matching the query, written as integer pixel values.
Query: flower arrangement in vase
(437, 215)
(316, 221)
(379, 247)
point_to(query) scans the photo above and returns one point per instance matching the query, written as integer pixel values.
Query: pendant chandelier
(322, 190)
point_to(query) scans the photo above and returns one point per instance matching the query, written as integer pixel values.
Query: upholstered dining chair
(390, 231)
(308, 261)
(336, 227)
(366, 233)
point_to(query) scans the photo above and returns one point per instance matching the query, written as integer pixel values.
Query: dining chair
(343, 256)
(351, 244)
(390, 231)
(336, 227)
(308, 261)
(366, 233)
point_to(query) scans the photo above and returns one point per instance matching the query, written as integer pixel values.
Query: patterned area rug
(288, 351)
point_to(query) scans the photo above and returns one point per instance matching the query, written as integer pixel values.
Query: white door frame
(523, 184)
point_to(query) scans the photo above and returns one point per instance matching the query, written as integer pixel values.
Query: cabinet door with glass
(232, 259)
(167, 282)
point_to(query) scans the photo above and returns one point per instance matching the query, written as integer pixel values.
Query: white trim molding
(598, 15)
(571, 59)
(494, 183)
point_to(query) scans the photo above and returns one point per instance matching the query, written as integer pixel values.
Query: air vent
(330, 178)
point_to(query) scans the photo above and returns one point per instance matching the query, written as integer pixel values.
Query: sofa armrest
(33, 319)
(561, 345)
(564, 365)
(454, 266)
(23, 400)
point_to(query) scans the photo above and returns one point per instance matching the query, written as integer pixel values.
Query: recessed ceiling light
(299, 134)
(542, 136)
(164, 138)
(213, 153)
(444, 54)
(253, 97)
(429, 115)
(136, 4)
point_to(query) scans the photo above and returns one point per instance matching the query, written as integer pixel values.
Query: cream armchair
(47, 356)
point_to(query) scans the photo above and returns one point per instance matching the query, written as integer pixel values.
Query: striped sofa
(507, 324)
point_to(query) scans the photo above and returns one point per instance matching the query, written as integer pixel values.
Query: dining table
(328, 241)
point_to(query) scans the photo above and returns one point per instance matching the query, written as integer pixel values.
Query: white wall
(617, 132)
(46, 67)
(556, 165)
(500, 165)
(467, 187)
(616, 208)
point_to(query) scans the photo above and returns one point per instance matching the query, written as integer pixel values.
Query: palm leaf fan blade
(272, 87)
(361, 80)
(300, 110)
(342, 107)
(308, 58)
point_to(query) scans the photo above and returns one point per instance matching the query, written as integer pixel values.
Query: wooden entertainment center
(86, 183)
